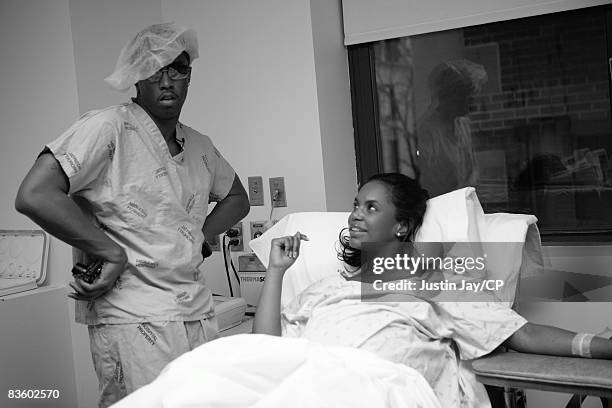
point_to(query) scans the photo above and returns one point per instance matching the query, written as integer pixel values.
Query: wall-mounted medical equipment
(252, 275)
(23, 260)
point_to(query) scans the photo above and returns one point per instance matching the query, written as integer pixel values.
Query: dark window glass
(519, 109)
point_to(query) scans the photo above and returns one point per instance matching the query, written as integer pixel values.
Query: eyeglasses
(175, 73)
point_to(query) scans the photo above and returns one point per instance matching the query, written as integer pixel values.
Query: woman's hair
(410, 202)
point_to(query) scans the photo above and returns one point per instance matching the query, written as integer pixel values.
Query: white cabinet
(36, 348)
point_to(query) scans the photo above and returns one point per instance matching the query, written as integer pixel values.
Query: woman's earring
(401, 236)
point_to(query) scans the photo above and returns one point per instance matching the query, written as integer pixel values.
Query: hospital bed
(508, 373)
(513, 371)
(505, 373)
(454, 218)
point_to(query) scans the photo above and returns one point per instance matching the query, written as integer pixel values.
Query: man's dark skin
(43, 194)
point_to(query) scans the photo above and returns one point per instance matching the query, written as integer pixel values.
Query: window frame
(368, 142)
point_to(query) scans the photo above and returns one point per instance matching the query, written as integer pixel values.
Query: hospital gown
(152, 204)
(434, 338)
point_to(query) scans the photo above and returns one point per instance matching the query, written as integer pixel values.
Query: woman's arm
(283, 253)
(267, 318)
(539, 339)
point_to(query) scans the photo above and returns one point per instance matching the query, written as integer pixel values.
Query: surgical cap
(152, 49)
(457, 77)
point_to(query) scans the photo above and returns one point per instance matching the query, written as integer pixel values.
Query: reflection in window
(519, 109)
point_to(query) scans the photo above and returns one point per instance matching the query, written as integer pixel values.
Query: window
(519, 109)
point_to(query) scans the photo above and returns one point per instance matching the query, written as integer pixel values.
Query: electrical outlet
(214, 243)
(258, 228)
(277, 192)
(256, 194)
(236, 239)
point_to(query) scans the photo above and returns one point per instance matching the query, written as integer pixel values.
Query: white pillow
(318, 256)
(453, 217)
(456, 216)
(506, 261)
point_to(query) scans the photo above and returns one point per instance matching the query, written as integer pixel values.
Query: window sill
(576, 238)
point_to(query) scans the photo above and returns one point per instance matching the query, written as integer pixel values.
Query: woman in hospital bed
(432, 337)
(338, 350)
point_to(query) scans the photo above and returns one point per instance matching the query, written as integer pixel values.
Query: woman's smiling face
(373, 216)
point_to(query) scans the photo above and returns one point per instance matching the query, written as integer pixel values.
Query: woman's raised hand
(284, 251)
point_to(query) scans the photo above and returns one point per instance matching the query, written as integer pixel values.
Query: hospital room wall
(39, 97)
(39, 100)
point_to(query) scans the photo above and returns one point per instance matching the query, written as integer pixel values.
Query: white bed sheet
(253, 370)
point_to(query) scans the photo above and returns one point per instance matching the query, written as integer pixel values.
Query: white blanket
(253, 370)
(434, 338)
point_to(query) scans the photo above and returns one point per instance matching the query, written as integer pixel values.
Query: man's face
(164, 98)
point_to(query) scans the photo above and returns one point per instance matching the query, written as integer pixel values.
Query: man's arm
(227, 212)
(43, 197)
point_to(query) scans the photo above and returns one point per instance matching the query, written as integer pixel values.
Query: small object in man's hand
(88, 273)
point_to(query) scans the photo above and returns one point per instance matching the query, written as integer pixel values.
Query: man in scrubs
(130, 185)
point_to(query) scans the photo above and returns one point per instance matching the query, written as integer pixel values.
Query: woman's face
(373, 216)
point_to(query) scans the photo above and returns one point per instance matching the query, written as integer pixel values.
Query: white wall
(39, 100)
(334, 96)
(100, 29)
